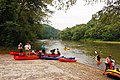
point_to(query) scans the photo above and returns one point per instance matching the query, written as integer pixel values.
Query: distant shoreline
(99, 41)
(111, 42)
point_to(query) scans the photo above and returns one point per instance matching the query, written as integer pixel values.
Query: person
(107, 62)
(43, 49)
(53, 51)
(113, 63)
(98, 57)
(58, 51)
(28, 48)
(20, 48)
(65, 48)
(117, 69)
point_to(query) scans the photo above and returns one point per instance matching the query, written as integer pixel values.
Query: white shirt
(113, 63)
(27, 47)
(107, 60)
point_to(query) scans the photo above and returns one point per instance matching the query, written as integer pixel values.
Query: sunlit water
(85, 51)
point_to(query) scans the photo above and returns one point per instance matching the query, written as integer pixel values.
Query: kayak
(112, 73)
(66, 48)
(33, 57)
(52, 55)
(98, 60)
(67, 57)
(66, 60)
(55, 58)
(49, 58)
(17, 53)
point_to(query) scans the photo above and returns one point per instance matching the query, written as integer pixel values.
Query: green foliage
(104, 25)
(21, 20)
(66, 34)
(49, 32)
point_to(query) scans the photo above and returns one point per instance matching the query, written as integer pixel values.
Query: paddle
(95, 53)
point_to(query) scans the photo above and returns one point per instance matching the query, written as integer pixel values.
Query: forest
(23, 20)
(104, 25)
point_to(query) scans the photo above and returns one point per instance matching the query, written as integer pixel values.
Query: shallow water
(85, 51)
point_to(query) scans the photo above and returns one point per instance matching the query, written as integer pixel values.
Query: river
(85, 51)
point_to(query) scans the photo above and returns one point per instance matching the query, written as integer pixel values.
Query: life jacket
(110, 65)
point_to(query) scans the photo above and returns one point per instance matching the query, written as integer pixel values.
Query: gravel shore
(11, 69)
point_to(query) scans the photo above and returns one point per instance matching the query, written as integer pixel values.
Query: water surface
(85, 51)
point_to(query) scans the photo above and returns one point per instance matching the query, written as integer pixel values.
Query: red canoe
(17, 53)
(33, 57)
(66, 60)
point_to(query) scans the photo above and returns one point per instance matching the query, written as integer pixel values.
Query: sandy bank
(46, 70)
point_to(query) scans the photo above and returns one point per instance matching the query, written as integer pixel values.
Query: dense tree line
(21, 20)
(49, 32)
(104, 25)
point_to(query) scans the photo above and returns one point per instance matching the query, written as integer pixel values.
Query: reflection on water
(84, 51)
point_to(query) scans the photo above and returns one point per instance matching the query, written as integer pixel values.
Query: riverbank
(110, 42)
(11, 69)
(100, 41)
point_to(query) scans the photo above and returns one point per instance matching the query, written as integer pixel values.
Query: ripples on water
(84, 51)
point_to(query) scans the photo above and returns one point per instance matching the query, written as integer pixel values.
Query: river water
(85, 51)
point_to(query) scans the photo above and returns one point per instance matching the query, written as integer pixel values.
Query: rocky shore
(11, 69)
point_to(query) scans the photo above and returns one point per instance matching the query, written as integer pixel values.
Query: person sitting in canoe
(58, 51)
(98, 57)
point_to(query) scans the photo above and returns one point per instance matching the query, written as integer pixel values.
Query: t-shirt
(113, 62)
(43, 47)
(27, 47)
(20, 46)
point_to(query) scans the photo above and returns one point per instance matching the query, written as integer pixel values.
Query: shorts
(21, 51)
(43, 51)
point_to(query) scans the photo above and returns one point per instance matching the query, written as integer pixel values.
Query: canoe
(52, 55)
(66, 48)
(31, 57)
(55, 58)
(98, 60)
(66, 60)
(67, 57)
(112, 73)
(17, 53)
(49, 58)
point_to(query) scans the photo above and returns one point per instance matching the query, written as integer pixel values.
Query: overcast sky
(77, 14)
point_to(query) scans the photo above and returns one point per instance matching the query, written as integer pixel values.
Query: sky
(77, 14)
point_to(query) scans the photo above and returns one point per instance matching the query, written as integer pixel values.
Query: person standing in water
(107, 62)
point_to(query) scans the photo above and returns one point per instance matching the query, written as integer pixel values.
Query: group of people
(40, 52)
(109, 61)
(27, 48)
